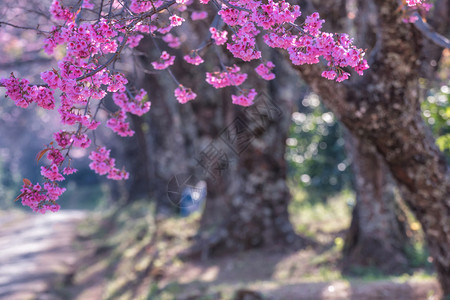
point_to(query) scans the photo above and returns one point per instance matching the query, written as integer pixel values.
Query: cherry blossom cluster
(164, 61)
(245, 98)
(305, 43)
(52, 173)
(220, 37)
(172, 41)
(86, 73)
(199, 15)
(176, 20)
(422, 6)
(244, 43)
(193, 59)
(23, 94)
(81, 82)
(137, 105)
(415, 3)
(103, 164)
(184, 95)
(60, 13)
(119, 125)
(140, 6)
(230, 77)
(41, 199)
(264, 70)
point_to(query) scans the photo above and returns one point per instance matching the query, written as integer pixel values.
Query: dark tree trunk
(259, 196)
(256, 196)
(377, 234)
(136, 155)
(384, 107)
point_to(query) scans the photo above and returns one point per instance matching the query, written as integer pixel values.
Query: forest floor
(128, 255)
(36, 251)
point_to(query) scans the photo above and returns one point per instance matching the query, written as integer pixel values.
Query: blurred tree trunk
(384, 107)
(254, 189)
(163, 142)
(247, 196)
(138, 162)
(377, 234)
(259, 196)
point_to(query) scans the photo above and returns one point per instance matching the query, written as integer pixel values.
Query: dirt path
(34, 251)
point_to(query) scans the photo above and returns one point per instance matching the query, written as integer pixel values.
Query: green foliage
(315, 151)
(323, 222)
(443, 142)
(436, 112)
(366, 273)
(418, 255)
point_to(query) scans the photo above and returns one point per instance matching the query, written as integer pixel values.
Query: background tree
(384, 107)
(377, 235)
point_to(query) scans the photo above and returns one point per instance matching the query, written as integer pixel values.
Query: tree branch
(430, 34)
(107, 63)
(22, 27)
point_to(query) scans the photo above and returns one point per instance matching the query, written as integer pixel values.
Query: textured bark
(383, 106)
(377, 235)
(253, 190)
(259, 195)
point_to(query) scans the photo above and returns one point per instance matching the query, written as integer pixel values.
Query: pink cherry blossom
(244, 99)
(199, 15)
(119, 126)
(176, 20)
(193, 59)
(52, 173)
(172, 41)
(231, 76)
(220, 37)
(264, 70)
(329, 74)
(165, 61)
(102, 164)
(86, 70)
(69, 171)
(184, 95)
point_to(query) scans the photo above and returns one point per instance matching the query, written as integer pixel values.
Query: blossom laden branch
(83, 81)
(23, 27)
(107, 63)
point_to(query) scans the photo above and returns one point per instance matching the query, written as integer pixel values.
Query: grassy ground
(130, 256)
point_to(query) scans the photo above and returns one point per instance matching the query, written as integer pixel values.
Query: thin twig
(23, 27)
(234, 6)
(100, 10)
(430, 33)
(110, 9)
